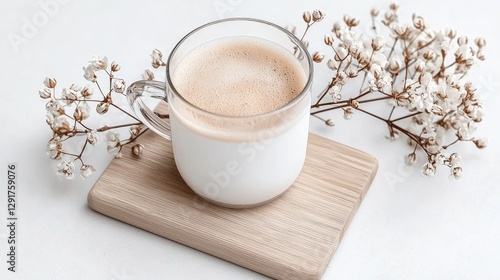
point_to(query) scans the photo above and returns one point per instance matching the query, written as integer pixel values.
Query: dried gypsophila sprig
(419, 71)
(68, 114)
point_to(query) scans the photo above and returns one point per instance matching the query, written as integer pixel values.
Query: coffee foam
(239, 76)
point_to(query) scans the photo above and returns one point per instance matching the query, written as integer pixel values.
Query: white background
(408, 226)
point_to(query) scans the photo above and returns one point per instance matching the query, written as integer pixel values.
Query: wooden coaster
(292, 237)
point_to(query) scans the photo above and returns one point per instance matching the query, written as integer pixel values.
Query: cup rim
(285, 107)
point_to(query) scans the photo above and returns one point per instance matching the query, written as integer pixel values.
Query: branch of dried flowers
(431, 96)
(68, 114)
(413, 71)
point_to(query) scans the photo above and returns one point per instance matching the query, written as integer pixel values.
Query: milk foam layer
(239, 76)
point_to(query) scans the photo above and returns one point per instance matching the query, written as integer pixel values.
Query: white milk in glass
(240, 77)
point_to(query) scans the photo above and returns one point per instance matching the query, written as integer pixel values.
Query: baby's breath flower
(82, 111)
(480, 143)
(394, 6)
(341, 53)
(418, 22)
(351, 21)
(46, 93)
(70, 95)
(88, 74)
(54, 108)
(98, 63)
(135, 130)
(157, 57)
(317, 15)
(328, 40)
(395, 65)
(410, 158)
(455, 172)
(50, 82)
(428, 169)
(102, 108)
(115, 66)
(329, 122)
(119, 86)
(374, 12)
(114, 144)
(54, 148)
(62, 127)
(462, 40)
(92, 137)
(480, 42)
(148, 75)
(378, 43)
(138, 149)
(306, 16)
(318, 57)
(332, 64)
(348, 113)
(87, 92)
(454, 159)
(66, 169)
(393, 135)
(86, 170)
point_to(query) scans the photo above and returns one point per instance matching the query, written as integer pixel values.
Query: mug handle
(148, 89)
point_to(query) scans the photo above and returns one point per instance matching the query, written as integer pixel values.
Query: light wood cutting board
(292, 237)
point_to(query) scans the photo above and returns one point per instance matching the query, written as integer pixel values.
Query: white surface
(408, 227)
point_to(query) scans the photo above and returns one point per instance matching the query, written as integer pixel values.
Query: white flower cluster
(67, 114)
(419, 70)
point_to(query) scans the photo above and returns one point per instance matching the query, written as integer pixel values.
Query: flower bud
(418, 22)
(419, 65)
(318, 57)
(329, 122)
(480, 42)
(138, 149)
(437, 110)
(119, 86)
(306, 16)
(354, 103)
(462, 40)
(50, 82)
(115, 66)
(394, 6)
(351, 21)
(348, 113)
(45, 93)
(451, 33)
(328, 40)
(374, 12)
(87, 92)
(456, 172)
(480, 55)
(317, 15)
(92, 137)
(86, 170)
(102, 108)
(480, 143)
(428, 169)
(332, 64)
(410, 158)
(377, 43)
(98, 63)
(394, 65)
(148, 75)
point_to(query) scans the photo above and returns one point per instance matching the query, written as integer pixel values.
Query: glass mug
(233, 161)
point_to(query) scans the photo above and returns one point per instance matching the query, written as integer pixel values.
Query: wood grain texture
(292, 237)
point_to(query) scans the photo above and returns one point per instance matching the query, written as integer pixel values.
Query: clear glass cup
(233, 161)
